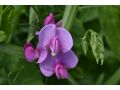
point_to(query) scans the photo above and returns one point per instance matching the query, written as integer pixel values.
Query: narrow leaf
(2, 36)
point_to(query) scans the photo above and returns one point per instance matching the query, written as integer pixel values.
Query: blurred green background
(17, 21)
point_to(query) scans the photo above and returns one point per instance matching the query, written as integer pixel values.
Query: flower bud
(49, 19)
(29, 52)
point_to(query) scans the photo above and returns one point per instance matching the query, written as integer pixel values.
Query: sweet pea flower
(53, 39)
(59, 64)
(53, 50)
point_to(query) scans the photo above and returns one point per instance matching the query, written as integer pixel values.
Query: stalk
(69, 15)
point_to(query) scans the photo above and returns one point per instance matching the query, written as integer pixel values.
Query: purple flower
(59, 64)
(54, 39)
(29, 52)
(53, 50)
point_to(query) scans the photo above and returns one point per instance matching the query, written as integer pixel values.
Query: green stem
(72, 80)
(69, 14)
(1, 9)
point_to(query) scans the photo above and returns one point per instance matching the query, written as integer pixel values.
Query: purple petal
(29, 52)
(46, 34)
(65, 39)
(42, 55)
(47, 66)
(49, 19)
(69, 59)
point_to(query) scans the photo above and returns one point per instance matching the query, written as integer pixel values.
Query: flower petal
(42, 55)
(29, 52)
(47, 66)
(46, 34)
(65, 39)
(69, 59)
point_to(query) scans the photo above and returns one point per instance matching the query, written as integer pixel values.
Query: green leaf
(88, 13)
(85, 46)
(2, 36)
(25, 73)
(115, 78)
(110, 25)
(33, 19)
(3, 76)
(12, 50)
(69, 15)
(1, 10)
(97, 47)
(19, 9)
(93, 43)
(32, 16)
(96, 44)
(100, 79)
(18, 69)
(7, 22)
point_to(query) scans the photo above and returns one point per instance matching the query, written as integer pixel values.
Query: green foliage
(96, 44)
(7, 20)
(69, 15)
(26, 73)
(19, 70)
(110, 25)
(2, 36)
(85, 46)
(115, 78)
(33, 19)
(88, 13)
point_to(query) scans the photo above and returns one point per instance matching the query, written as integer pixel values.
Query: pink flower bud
(29, 52)
(49, 19)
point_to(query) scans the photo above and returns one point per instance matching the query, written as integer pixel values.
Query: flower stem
(69, 15)
(72, 80)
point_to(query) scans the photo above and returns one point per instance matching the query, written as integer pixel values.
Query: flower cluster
(53, 50)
